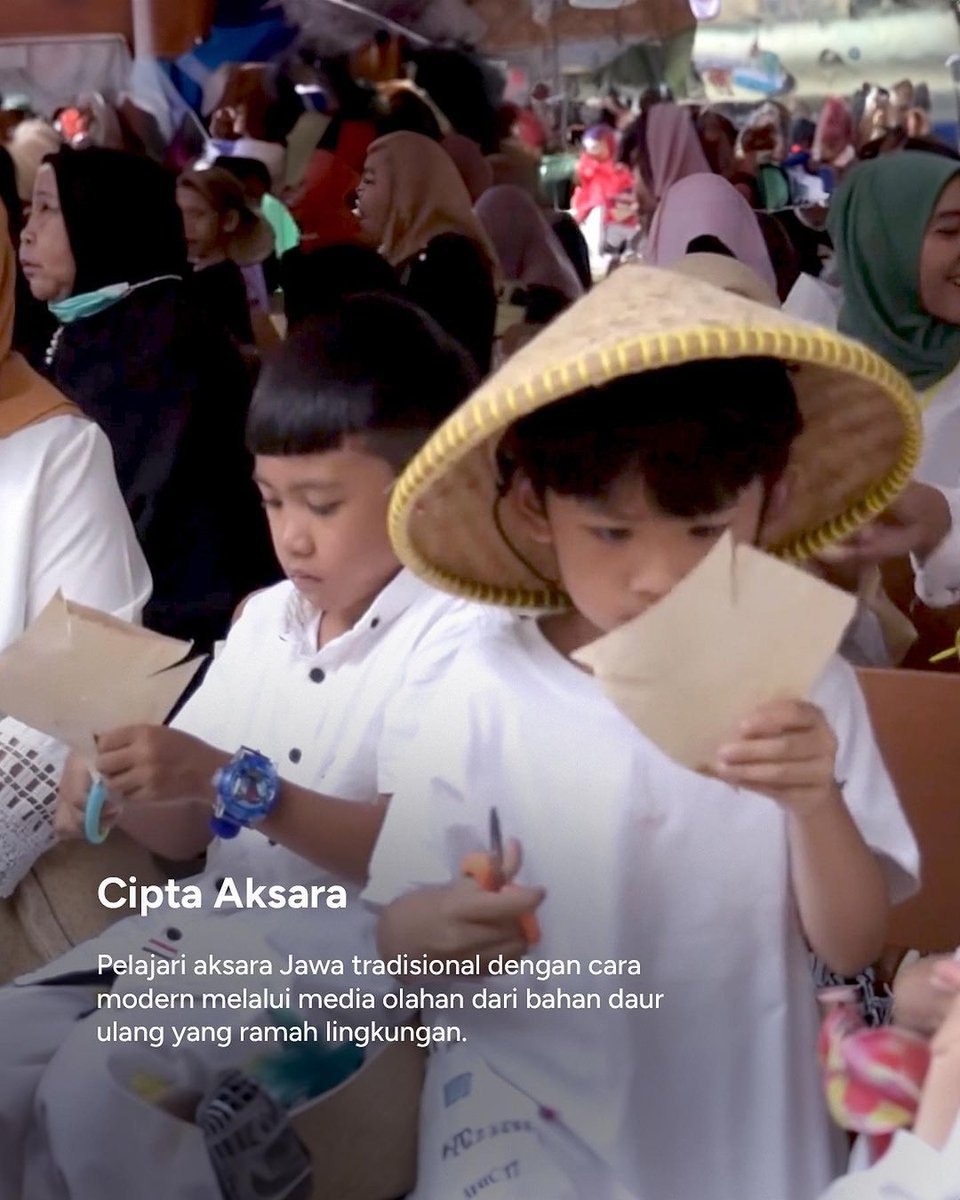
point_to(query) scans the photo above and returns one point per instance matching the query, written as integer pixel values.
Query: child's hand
(459, 920)
(924, 992)
(786, 750)
(75, 783)
(152, 764)
(946, 1041)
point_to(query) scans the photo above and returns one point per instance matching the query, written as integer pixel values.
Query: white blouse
(63, 525)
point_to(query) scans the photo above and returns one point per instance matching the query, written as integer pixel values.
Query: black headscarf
(121, 215)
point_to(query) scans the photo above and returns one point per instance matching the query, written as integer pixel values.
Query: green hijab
(878, 219)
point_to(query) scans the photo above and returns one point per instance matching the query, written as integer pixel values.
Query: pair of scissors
(486, 868)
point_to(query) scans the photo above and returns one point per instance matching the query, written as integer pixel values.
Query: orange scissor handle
(479, 867)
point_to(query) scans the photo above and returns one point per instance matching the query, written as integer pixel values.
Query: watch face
(247, 787)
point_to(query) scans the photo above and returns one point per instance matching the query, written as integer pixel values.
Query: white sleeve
(429, 663)
(437, 813)
(84, 539)
(938, 578)
(910, 1170)
(867, 788)
(83, 544)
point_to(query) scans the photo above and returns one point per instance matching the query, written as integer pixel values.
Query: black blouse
(451, 280)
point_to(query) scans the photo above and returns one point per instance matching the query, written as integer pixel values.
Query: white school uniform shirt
(910, 1170)
(332, 720)
(63, 525)
(717, 1093)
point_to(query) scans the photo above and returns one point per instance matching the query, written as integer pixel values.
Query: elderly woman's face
(372, 208)
(45, 252)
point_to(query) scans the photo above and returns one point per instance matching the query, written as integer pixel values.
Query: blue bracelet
(92, 828)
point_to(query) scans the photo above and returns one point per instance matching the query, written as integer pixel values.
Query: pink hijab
(526, 246)
(708, 206)
(673, 148)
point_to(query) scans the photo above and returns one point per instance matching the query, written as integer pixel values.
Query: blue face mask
(88, 304)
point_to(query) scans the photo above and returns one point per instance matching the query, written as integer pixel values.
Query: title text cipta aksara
(115, 892)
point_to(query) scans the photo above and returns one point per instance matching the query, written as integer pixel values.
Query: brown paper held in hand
(741, 629)
(76, 672)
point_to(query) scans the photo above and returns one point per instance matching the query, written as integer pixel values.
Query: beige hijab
(25, 397)
(427, 197)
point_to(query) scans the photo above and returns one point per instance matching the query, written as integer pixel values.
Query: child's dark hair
(318, 281)
(378, 368)
(696, 435)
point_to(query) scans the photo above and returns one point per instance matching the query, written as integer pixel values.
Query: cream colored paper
(76, 672)
(741, 629)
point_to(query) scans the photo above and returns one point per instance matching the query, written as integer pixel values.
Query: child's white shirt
(717, 1093)
(910, 1170)
(331, 719)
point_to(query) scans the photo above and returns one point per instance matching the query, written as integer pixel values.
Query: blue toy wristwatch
(247, 790)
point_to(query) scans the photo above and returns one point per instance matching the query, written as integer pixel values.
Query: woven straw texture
(860, 441)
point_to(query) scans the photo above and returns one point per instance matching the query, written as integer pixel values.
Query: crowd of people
(392, 442)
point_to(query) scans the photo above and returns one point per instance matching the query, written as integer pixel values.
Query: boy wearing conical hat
(586, 480)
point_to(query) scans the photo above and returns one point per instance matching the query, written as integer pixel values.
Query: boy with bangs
(592, 505)
(322, 675)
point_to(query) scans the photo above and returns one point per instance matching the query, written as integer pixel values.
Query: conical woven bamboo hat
(858, 447)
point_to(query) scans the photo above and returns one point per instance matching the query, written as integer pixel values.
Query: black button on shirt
(295, 755)
(317, 675)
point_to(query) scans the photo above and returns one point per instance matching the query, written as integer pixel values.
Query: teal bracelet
(93, 829)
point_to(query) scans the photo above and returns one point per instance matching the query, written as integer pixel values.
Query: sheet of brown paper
(76, 672)
(741, 629)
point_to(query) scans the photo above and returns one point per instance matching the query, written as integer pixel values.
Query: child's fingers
(780, 716)
(509, 948)
(775, 775)
(945, 975)
(512, 859)
(471, 904)
(116, 763)
(117, 739)
(786, 747)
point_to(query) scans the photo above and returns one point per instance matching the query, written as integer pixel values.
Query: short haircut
(696, 435)
(378, 368)
(318, 281)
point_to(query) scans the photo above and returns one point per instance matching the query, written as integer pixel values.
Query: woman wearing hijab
(539, 278)
(702, 206)
(104, 249)
(895, 224)
(718, 137)
(526, 247)
(663, 148)
(414, 207)
(475, 171)
(63, 527)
